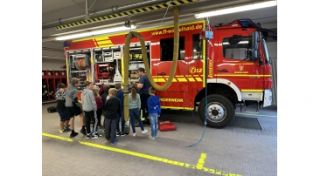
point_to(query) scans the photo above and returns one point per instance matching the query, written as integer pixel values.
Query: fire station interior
(219, 114)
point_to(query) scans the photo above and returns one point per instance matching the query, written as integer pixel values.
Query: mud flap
(267, 99)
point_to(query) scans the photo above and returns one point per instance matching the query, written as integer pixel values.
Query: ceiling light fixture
(95, 32)
(242, 8)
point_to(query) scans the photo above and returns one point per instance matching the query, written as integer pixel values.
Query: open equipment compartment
(80, 66)
(107, 65)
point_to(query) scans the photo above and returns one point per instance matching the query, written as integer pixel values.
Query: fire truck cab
(239, 70)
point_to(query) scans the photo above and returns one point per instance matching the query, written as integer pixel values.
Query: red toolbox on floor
(167, 126)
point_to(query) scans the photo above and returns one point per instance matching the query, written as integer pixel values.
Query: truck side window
(196, 46)
(166, 47)
(237, 47)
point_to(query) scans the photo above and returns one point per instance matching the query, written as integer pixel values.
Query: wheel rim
(216, 112)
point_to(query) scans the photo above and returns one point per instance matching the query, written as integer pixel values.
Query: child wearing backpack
(64, 119)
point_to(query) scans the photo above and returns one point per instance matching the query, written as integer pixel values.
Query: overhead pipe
(110, 10)
(189, 15)
(206, 4)
(125, 13)
(87, 10)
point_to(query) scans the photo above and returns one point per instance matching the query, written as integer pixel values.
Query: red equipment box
(104, 71)
(167, 126)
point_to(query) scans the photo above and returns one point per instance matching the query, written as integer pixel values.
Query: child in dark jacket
(121, 125)
(112, 114)
(154, 110)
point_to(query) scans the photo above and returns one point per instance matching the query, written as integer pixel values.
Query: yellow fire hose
(146, 64)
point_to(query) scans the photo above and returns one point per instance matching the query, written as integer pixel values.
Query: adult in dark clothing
(121, 125)
(143, 86)
(104, 99)
(105, 94)
(112, 114)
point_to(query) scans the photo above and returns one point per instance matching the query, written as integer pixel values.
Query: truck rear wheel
(220, 110)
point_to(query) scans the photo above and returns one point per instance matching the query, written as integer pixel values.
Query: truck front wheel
(220, 110)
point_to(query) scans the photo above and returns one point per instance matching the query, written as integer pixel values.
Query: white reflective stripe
(241, 42)
(217, 44)
(155, 43)
(228, 83)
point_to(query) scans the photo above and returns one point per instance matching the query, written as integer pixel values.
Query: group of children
(96, 101)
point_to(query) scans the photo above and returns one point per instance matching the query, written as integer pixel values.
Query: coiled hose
(168, 83)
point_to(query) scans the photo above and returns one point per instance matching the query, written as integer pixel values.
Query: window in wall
(196, 46)
(166, 46)
(237, 47)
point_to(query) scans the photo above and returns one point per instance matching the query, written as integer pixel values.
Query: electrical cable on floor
(206, 97)
(204, 122)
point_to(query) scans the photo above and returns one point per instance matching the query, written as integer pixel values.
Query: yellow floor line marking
(150, 157)
(138, 154)
(201, 160)
(57, 137)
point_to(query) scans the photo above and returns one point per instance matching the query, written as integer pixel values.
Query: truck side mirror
(255, 42)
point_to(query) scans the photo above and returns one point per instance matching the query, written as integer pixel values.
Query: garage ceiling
(56, 11)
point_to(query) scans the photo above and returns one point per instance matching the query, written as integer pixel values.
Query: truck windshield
(266, 52)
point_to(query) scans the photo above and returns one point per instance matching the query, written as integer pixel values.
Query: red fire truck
(234, 66)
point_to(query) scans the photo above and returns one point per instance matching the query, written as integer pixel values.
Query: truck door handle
(162, 73)
(223, 70)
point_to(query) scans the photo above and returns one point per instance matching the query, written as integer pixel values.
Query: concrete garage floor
(238, 149)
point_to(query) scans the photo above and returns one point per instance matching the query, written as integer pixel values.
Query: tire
(221, 110)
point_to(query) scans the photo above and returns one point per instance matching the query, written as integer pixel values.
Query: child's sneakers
(97, 134)
(134, 134)
(88, 136)
(144, 131)
(67, 129)
(94, 136)
(83, 131)
(73, 134)
(152, 137)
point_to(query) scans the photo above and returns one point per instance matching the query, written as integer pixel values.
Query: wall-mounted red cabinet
(50, 81)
